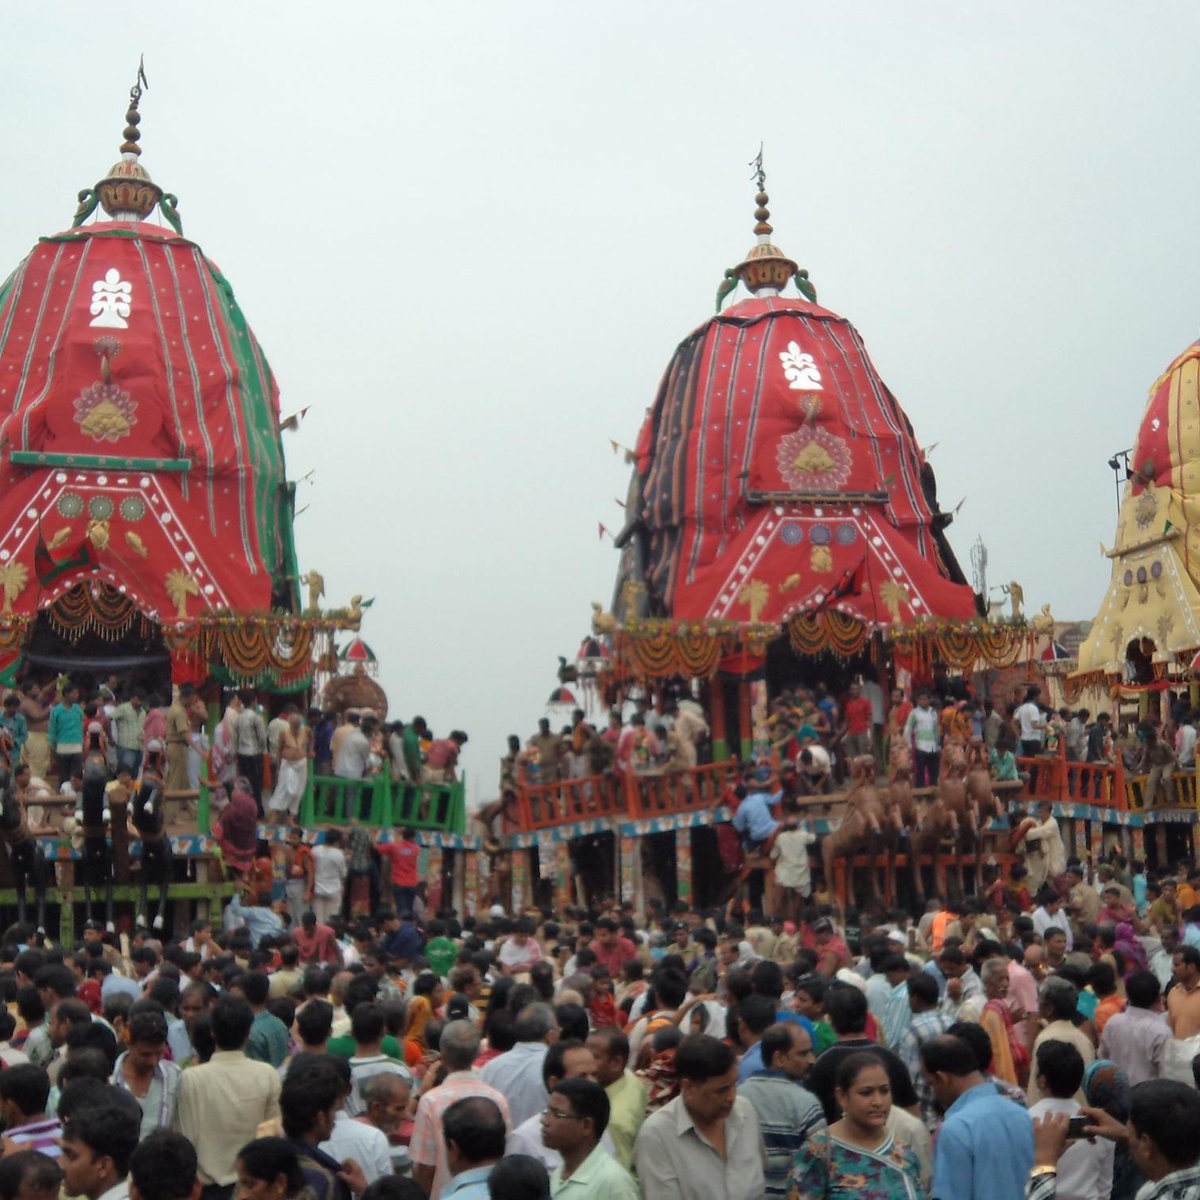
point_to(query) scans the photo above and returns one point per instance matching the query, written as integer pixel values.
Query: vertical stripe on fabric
(245, 473)
(12, 289)
(727, 341)
(702, 399)
(743, 482)
(52, 358)
(168, 365)
(197, 392)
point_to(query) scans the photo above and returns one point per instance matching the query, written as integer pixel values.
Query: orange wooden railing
(679, 791)
(632, 795)
(629, 795)
(1055, 778)
(541, 805)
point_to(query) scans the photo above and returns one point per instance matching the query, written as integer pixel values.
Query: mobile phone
(1076, 1126)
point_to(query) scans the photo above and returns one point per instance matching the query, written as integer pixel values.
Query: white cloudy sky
(470, 234)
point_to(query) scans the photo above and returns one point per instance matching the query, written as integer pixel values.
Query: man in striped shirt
(428, 1151)
(24, 1090)
(788, 1113)
(143, 1071)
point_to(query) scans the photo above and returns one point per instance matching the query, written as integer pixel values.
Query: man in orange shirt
(404, 856)
(1103, 980)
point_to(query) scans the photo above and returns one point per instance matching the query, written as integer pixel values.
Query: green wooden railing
(379, 801)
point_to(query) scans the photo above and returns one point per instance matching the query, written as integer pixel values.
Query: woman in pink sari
(236, 829)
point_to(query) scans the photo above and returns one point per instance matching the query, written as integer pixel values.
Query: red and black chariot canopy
(776, 475)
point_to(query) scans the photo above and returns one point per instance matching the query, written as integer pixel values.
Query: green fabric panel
(264, 445)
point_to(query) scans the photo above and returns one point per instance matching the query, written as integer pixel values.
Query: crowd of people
(268, 757)
(1003, 1047)
(818, 733)
(333, 1037)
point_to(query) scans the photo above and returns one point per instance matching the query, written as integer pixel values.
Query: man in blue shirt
(65, 734)
(474, 1132)
(260, 921)
(754, 819)
(756, 824)
(402, 941)
(985, 1148)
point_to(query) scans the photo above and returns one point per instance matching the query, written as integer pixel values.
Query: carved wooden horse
(982, 804)
(945, 814)
(93, 815)
(902, 814)
(27, 866)
(157, 856)
(861, 827)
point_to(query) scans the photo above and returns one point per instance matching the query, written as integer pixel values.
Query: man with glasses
(573, 1123)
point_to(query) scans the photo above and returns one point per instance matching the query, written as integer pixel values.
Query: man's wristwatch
(1045, 1169)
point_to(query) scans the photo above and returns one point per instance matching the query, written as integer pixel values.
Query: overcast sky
(470, 235)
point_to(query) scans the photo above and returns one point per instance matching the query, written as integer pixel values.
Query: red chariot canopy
(776, 474)
(138, 428)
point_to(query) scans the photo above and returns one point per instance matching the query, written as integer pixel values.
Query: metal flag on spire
(765, 270)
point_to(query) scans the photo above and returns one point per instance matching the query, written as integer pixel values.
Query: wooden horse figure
(28, 870)
(157, 856)
(902, 814)
(945, 813)
(982, 805)
(93, 815)
(861, 827)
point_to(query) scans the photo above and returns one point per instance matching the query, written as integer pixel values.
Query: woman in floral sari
(857, 1156)
(1010, 1057)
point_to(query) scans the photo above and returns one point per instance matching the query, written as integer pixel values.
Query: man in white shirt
(1185, 742)
(921, 732)
(351, 1139)
(1030, 724)
(813, 767)
(519, 951)
(1086, 1167)
(1050, 915)
(793, 871)
(350, 762)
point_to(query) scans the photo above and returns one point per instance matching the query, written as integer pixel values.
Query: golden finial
(765, 270)
(762, 228)
(127, 193)
(132, 116)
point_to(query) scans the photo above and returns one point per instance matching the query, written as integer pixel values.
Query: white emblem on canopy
(111, 301)
(800, 369)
